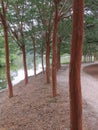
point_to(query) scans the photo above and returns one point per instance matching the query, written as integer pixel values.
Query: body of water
(17, 72)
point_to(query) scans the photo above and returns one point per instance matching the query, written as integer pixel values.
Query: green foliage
(13, 51)
(2, 52)
(36, 16)
(65, 32)
(91, 32)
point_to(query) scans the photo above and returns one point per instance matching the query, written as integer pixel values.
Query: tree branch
(61, 10)
(63, 15)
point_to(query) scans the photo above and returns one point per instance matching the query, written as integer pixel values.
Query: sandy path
(89, 83)
(90, 92)
(90, 88)
(34, 108)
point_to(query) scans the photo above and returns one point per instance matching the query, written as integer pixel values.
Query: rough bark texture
(6, 43)
(54, 51)
(47, 57)
(58, 53)
(75, 65)
(24, 63)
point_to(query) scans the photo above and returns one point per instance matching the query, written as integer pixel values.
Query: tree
(91, 36)
(54, 48)
(5, 30)
(46, 20)
(17, 26)
(2, 51)
(59, 13)
(75, 65)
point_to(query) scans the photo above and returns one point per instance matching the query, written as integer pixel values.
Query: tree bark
(54, 51)
(75, 65)
(24, 63)
(58, 54)
(47, 57)
(42, 59)
(6, 44)
(10, 89)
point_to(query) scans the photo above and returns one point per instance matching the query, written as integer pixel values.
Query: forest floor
(34, 108)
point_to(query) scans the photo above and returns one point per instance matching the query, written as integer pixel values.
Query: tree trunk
(47, 57)
(54, 52)
(42, 59)
(75, 65)
(24, 63)
(58, 54)
(6, 43)
(86, 57)
(89, 57)
(10, 89)
(94, 56)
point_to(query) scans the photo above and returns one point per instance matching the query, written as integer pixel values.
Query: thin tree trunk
(10, 89)
(54, 51)
(75, 65)
(86, 58)
(24, 63)
(89, 58)
(94, 56)
(6, 44)
(42, 59)
(34, 56)
(58, 54)
(47, 57)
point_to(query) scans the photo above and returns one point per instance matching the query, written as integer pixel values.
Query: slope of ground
(34, 108)
(92, 70)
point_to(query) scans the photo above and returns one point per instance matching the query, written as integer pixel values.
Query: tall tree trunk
(10, 89)
(89, 58)
(75, 65)
(58, 54)
(47, 57)
(94, 56)
(86, 57)
(6, 44)
(24, 63)
(42, 53)
(54, 52)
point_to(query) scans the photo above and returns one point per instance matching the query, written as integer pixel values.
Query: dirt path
(90, 86)
(34, 108)
(90, 92)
